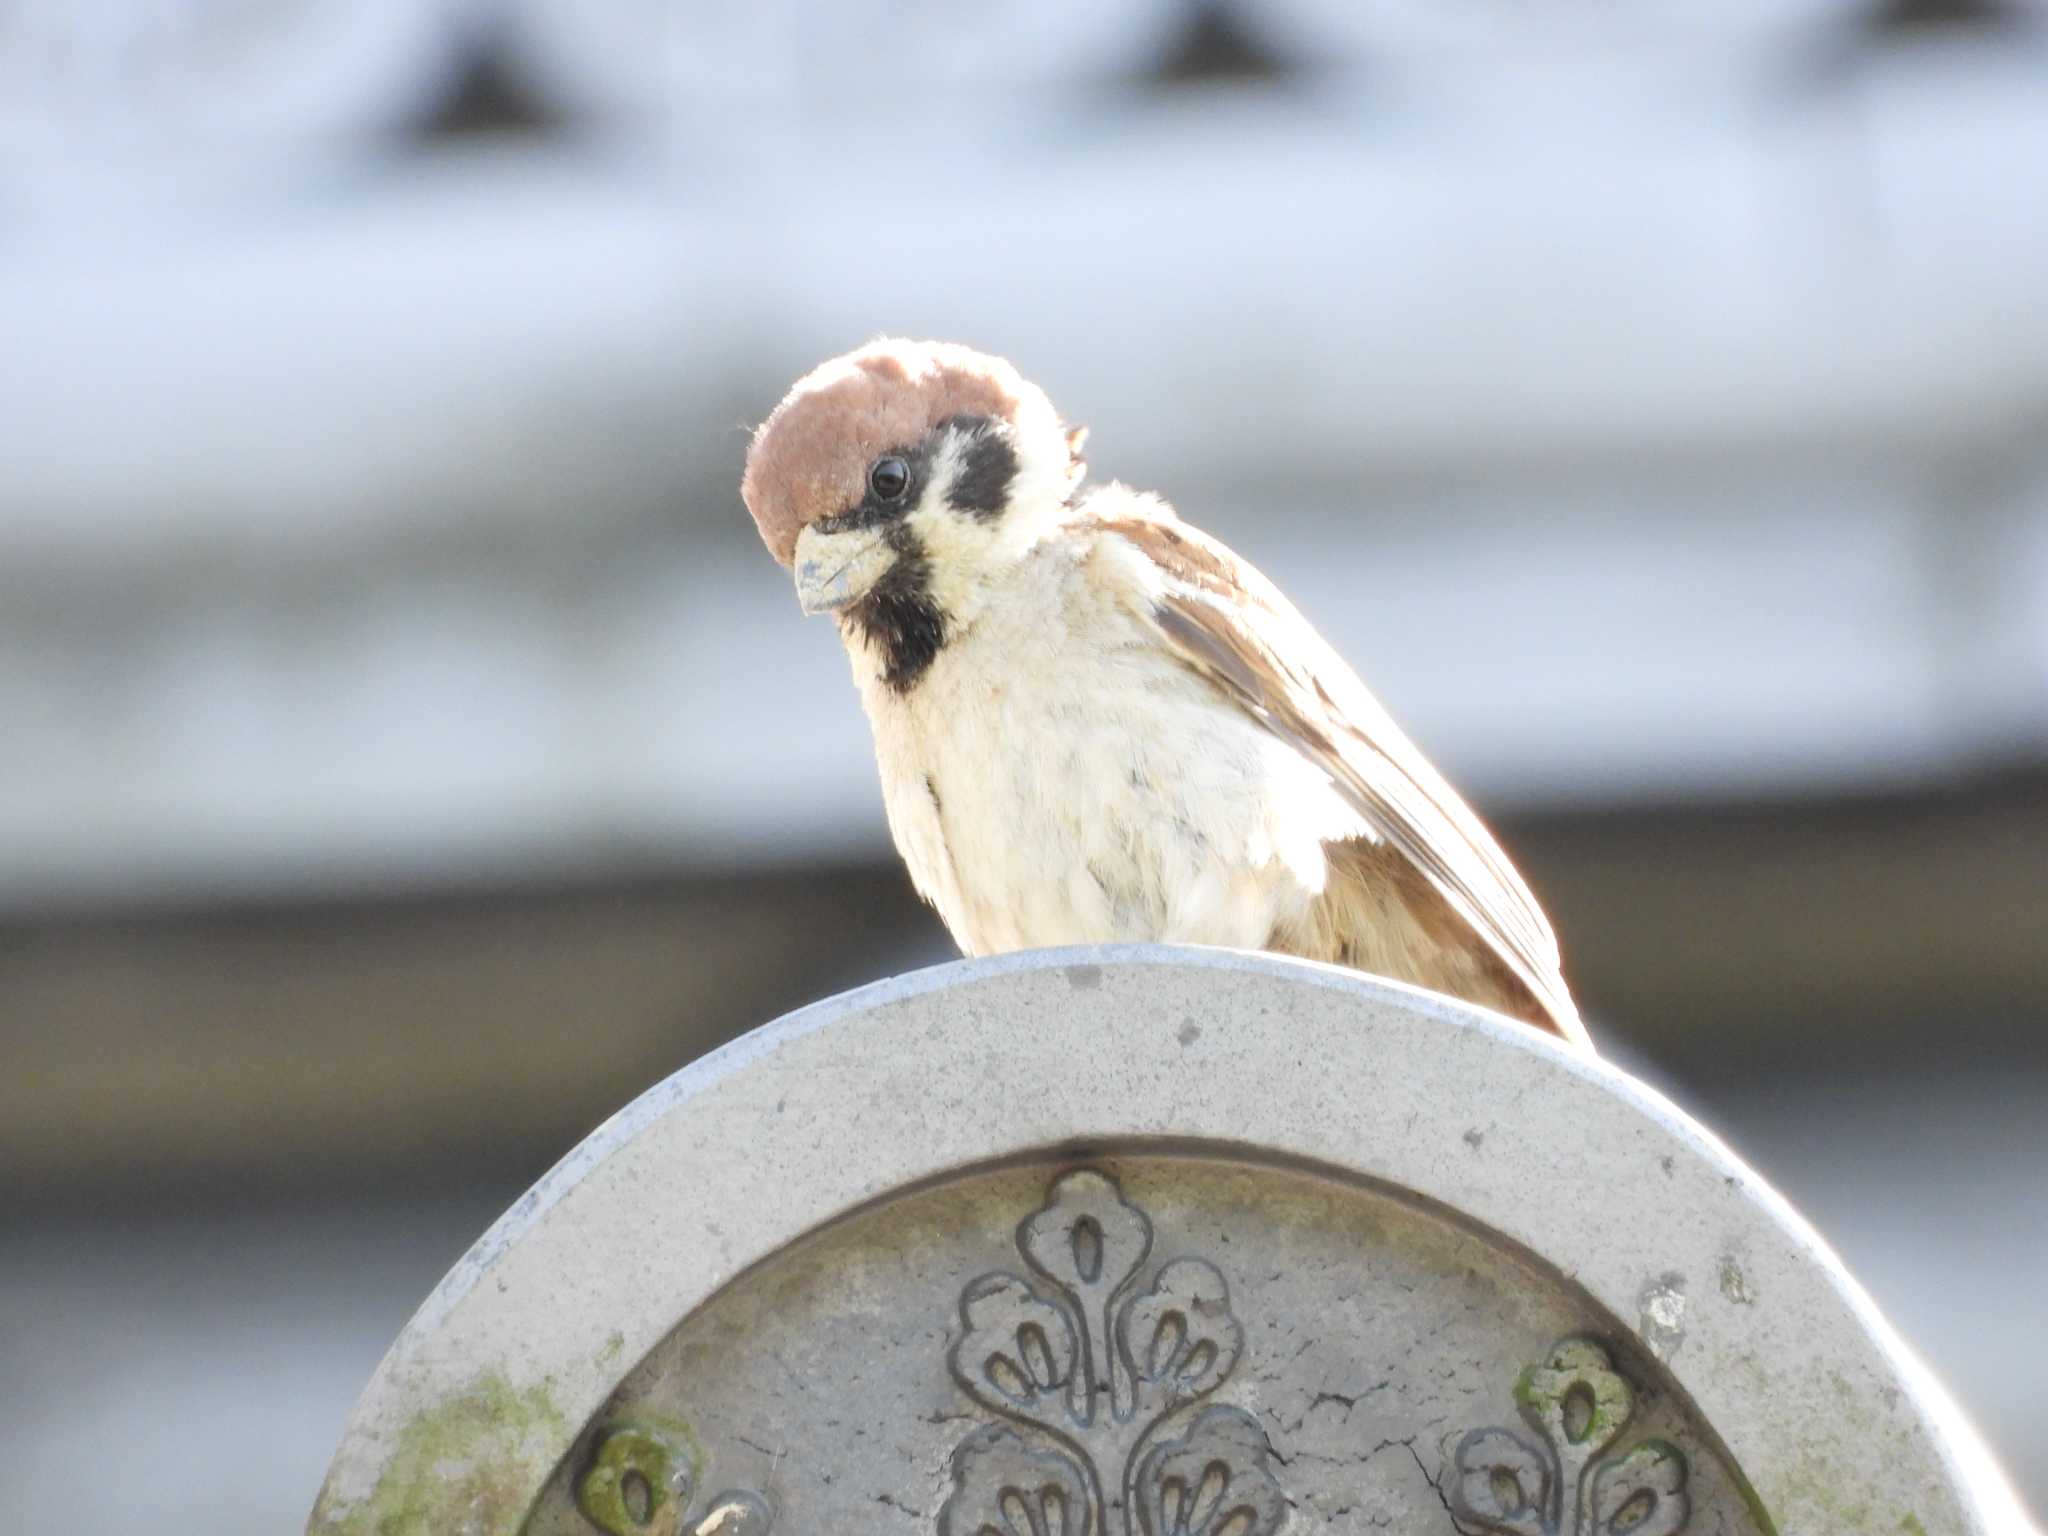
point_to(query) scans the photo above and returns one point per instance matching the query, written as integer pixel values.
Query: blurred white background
(410, 751)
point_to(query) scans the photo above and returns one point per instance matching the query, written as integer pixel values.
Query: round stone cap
(1148, 1241)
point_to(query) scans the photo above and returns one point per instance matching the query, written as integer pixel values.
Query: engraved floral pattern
(640, 1481)
(1566, 1485)
(1002, 1486)
(1210, 1482)
(1097, 1364)
(1093, 1365)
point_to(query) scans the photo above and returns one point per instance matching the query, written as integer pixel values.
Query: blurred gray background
(409, 751)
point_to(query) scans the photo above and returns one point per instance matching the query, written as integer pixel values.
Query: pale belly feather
(1065, 781)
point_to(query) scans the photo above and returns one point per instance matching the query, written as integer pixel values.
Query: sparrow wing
(1233, 626)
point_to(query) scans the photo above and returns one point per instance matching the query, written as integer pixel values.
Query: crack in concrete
(1436, 1487)
(891, 1503)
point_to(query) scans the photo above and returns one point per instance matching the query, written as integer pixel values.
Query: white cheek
(969, 553)
(964, 551)
(1042, 479)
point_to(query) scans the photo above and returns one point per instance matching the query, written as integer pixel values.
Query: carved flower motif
(1505, 1482)
(1211, 1481)
(1002, 1487)
(640, 1482)
(1096, 1365)
(1085, 1361)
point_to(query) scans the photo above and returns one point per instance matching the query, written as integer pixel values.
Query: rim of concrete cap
(1828, 1415)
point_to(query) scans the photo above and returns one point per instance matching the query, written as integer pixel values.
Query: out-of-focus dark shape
(1215, 43)
(1931, 15)
(489, 98)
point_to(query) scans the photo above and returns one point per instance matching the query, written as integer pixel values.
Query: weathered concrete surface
(1631, 1327)
(1356, 1348)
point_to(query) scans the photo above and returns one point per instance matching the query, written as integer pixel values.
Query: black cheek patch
(900, 616)
(982, 487)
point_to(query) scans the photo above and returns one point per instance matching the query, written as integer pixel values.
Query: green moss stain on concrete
(468, 1467)
(1576, 1396)
(1828, 1500)
(641, 1477)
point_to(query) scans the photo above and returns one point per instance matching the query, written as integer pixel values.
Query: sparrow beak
(834, 570)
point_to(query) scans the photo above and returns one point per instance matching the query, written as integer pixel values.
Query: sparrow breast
(1055, 778)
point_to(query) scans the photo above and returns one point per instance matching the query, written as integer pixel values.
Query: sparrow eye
(889, 477)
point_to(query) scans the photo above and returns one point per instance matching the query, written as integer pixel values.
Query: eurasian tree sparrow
(1096, 723)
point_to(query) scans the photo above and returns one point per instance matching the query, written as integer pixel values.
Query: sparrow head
(896, 481)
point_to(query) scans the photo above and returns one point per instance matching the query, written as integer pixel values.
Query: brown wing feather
(1232, 625)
